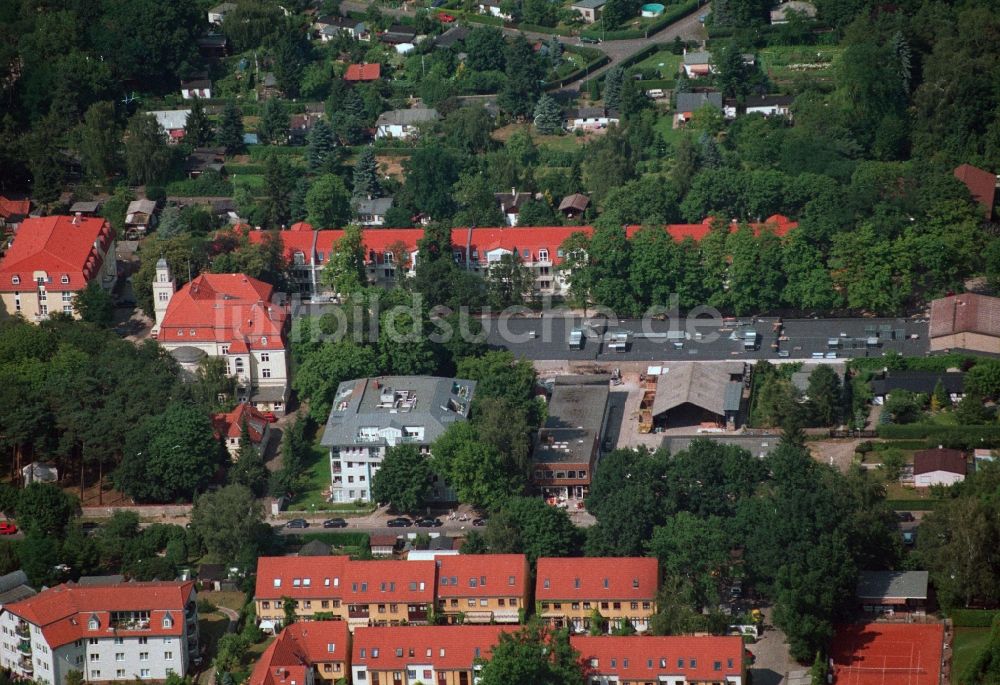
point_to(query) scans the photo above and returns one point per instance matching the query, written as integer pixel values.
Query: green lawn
(783, 62)
(254, 182)
(968, 642)
(665, 127)
(313, 497)
(210, 627)
(665, 61)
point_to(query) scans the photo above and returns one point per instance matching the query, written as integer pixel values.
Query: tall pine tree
(230, 133)
(613, 88)
(366, 176)
(321, 154)
(548, 115)
(197, 128)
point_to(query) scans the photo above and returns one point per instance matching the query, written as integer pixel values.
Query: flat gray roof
(383, 407)
(892, 585)
(572, 431)
(758, 445)
(589, 4)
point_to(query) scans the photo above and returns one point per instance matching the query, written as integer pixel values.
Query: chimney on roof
(513, 192)
(76, 218)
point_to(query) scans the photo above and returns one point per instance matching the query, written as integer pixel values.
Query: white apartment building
(121, 631)
(370, 415)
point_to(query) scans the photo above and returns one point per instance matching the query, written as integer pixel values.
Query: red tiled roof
(463, 575)
(64, 612)
(390, 581)
(363, 72)
(58, 245)
(300, 226)
(981, 184)
(480, 241)
(225, 308)
(601, 578)
(778, 224)
(314, 576)
(646, 658)
(965, 313)
(444, 648)
(928, 461)
(231, 425)
(9, 208)
(299, 647)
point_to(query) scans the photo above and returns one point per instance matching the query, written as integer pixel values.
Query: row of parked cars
(399, 522)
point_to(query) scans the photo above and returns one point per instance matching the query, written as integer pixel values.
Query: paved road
(547, 339)
(687, 28)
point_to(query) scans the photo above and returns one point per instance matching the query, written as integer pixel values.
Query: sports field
(887, 654)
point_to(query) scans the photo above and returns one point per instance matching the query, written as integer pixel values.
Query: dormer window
(16, 280)
(263, 341)
(277, 582)
(168, 622)
(635, 583)
(543, 255)
(388, 257)
(64, 280)
(93, 624)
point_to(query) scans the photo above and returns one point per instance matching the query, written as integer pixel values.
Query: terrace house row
(453, 655)
(392, 254)
(472, 589)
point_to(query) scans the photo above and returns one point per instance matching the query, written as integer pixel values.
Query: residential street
(772, 664)
(687, 28)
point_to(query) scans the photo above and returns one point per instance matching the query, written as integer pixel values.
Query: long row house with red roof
(325, 651)
(392, 252)
(479, 589)
(108, 632)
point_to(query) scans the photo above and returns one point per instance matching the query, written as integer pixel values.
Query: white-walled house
(110, 632)
(403, 123)
(230, 316)
(939, 467)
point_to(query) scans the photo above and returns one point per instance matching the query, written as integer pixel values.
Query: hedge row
(245, 169)
(260, 153)
(959, 437)
(195, 187)
(896, 362)
(337, 539)
(972, 618)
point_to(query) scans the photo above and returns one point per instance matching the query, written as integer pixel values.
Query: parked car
(7, 528)
(297, 523)
(905, 516)
(335, 523)
(401, 522)
(445, 18)
(479, 523)
(429, 523)
(90, 528)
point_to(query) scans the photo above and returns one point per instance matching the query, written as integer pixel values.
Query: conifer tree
(366, 176)
(230, 134)
(548, 115)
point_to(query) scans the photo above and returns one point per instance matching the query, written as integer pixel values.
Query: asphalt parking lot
(547, 338)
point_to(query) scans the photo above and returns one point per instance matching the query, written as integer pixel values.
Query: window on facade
(143, 656)
(120, 673)
(64, 280)
(265, 373)
(119, 640)
(163, 297)
(144, 673)
(119, 656)
(168, 655)
(543, 255)
(67, 297)
(67, 309)
(95, 657)
(93, 640)
(95, 674)
(265, 356)
(388, 257)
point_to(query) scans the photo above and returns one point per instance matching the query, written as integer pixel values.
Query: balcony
(24, 646)
(25, 665)
(357, 612)
(22, 629)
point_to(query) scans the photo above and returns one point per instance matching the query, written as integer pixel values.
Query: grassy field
(665, 61)
(252, 181)
(665, 127)
(968, 643)
(784, 62)
(230, 600)
(313, 498)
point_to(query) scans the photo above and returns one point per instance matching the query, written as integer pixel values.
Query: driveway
(772, 664)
